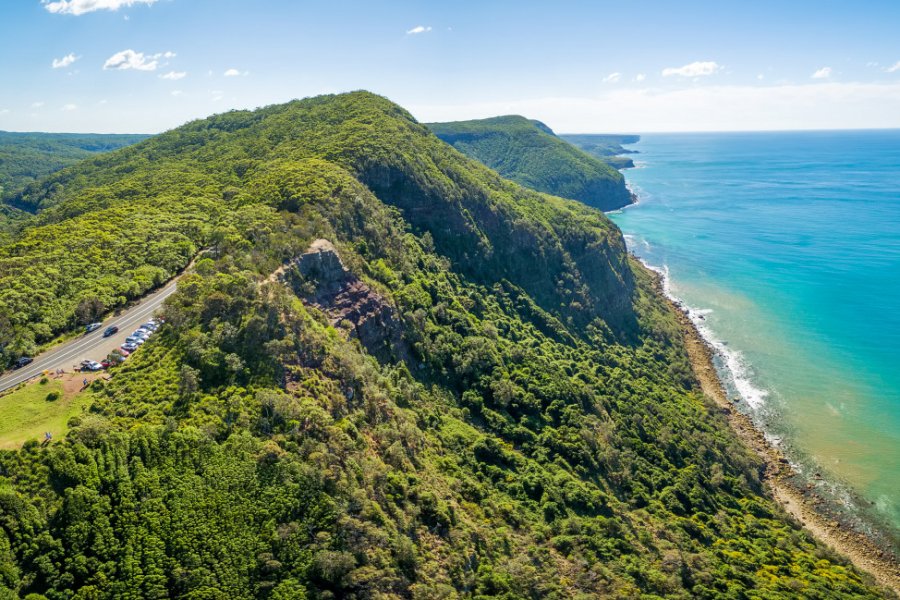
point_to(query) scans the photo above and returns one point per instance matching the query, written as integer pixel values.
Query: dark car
(93, 327)
(25, 360)
(111, 330)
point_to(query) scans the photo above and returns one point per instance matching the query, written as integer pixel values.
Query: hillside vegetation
(606, 147)
(470, 392)
(529, 153)
(25, 157)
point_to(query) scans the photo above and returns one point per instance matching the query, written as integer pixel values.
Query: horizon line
(656, 132)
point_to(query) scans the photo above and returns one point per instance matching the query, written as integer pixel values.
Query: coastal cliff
(529, 153)
(545, 436)
(607, 147)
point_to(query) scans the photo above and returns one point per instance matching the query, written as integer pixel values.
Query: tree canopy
(543, 436)
(529, 153)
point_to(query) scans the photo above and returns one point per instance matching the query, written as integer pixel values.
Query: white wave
(740, 373)
(632, 242)
(640, 193)
(637, 195)
(737, 371)
(736, 374)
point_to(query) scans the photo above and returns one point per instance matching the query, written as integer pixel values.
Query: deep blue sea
(786, 246)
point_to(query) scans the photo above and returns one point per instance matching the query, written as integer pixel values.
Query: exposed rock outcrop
(320, 278)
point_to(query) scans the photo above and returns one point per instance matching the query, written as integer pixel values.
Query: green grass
(25, 412)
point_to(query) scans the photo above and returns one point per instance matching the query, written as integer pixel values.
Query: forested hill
(25, 157)
(529, 153)
(394, 374)
(606, 147)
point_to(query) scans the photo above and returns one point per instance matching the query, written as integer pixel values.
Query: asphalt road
(91, 346)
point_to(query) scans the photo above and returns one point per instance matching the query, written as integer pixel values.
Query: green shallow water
(786, 246)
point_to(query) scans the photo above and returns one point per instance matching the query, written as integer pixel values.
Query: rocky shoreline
(799, 502)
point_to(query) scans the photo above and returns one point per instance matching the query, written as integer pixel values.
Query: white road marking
(61, 357)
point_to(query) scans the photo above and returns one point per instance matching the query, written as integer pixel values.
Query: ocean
(786, 248)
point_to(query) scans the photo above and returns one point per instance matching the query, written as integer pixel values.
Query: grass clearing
(27, 413)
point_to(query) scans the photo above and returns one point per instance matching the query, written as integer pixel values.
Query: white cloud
(217, 95)
(640, 77)
(760, 76)
(176, 92)
(820, 105)
(129, 59)
(694, 69)
(418, 29)
(231, 73)
(65, 61)
(69, 107)
(894, 67)
(4, 111)
(823, 73)
(174, 75)
(80, 7)
(612, 78)
(36, 104)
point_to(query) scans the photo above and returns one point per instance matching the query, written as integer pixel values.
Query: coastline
(802, 505)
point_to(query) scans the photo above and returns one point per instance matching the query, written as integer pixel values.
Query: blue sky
(149, 65)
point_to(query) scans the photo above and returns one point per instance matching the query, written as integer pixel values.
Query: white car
(136, 340)
(91, 365)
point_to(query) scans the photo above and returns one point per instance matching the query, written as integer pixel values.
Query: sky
(145, 66)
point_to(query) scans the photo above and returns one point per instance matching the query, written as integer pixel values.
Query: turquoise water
(786, 246)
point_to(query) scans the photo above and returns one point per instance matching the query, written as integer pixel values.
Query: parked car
(23, 361)
(122, 351)
(91, 365)
(114, 359)
(111, 330)
(133, 339)
(93, 327)
(150, 326)
(128, 347)
(142, 333)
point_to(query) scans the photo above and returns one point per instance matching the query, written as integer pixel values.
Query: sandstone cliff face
(320, 278)
(487, 242)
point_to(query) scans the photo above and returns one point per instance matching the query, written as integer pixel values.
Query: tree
(188, 381)
(89, 310)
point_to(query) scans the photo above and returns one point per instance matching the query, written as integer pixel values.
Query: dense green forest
(475, 394)
(26, 157)
(529, 153)
(607, 147)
